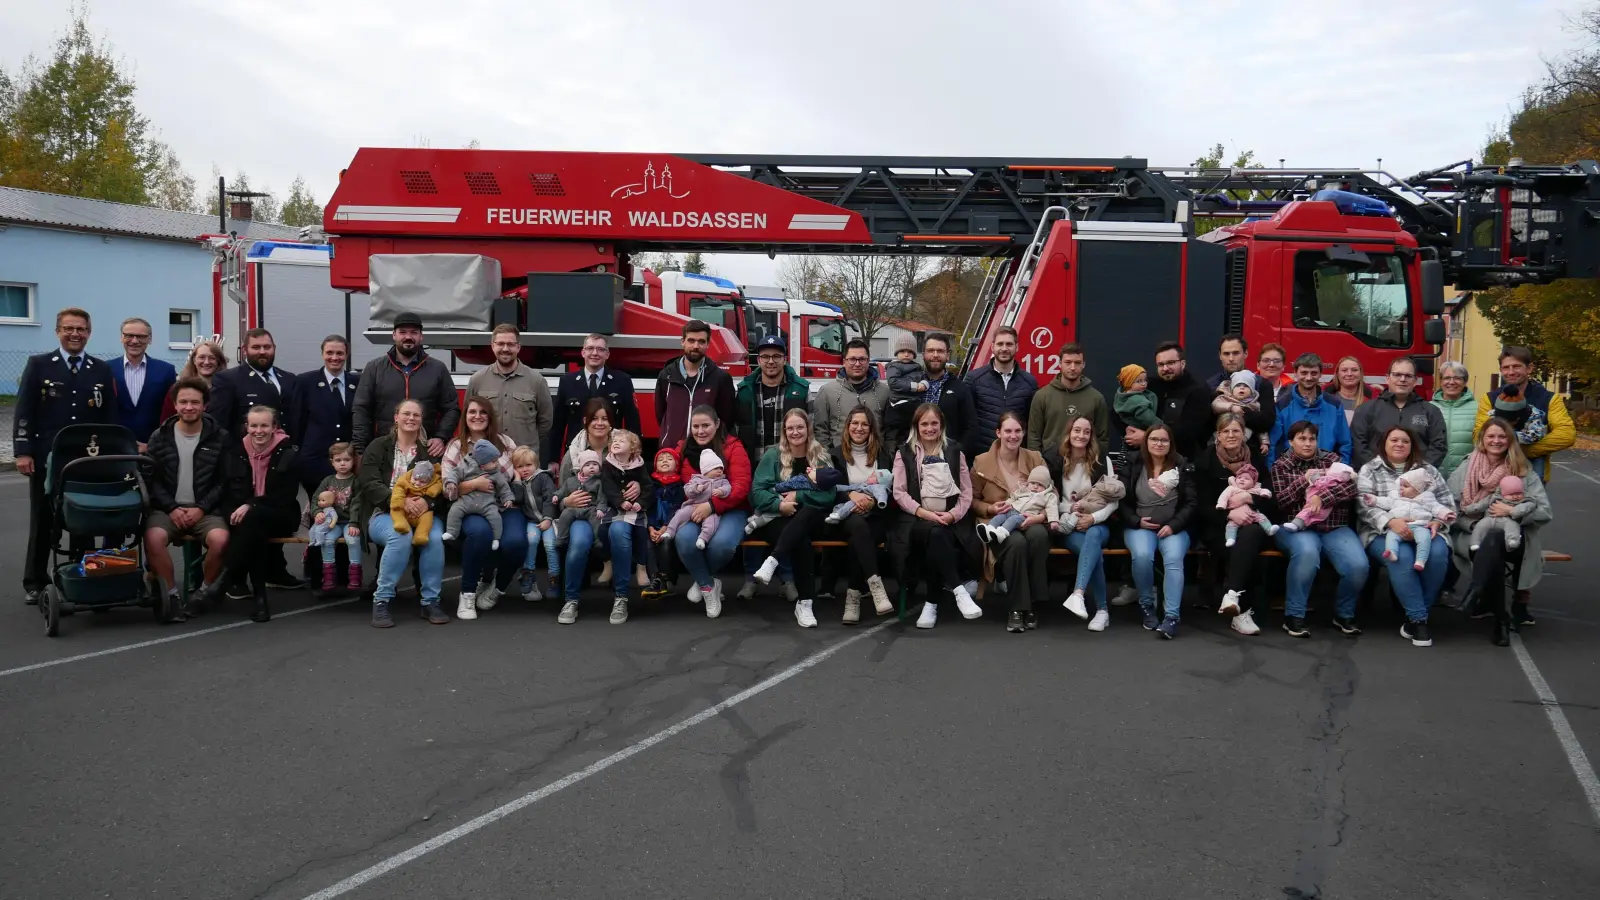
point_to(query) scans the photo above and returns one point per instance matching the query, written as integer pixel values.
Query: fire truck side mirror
(1433, 332)
(1432, 277)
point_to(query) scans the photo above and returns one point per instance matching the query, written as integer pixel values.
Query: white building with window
(115, 260)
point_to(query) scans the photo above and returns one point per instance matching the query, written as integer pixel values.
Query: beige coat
(989, 487)
(521, 402)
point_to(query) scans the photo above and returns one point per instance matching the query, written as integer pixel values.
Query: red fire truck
(1098, 251)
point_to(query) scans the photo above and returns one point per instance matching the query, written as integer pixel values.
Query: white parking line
(179, 637)
(527, 800)
(1579, 473)
(1558, 721)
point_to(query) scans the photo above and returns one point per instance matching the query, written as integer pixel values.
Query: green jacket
(1055, 406)
(1460, 418)
(765, 500)
(796, 394)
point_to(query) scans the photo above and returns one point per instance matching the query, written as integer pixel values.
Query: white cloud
(284, 89)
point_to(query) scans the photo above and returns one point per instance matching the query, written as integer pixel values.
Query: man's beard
(263, 361)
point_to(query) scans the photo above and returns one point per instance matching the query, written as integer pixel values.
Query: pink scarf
(261, 460)
(1483, 478)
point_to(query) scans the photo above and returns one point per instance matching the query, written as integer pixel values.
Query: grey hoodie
(835, 400)
(1423, 419)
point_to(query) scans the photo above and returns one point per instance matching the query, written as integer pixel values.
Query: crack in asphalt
(604, 725)
(1324, 832)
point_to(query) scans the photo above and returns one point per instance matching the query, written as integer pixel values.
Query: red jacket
(737, 467)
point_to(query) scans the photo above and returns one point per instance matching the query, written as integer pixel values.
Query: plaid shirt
(1289, 485)
(1378, 478)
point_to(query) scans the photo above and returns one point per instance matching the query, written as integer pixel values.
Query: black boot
(1502, 632)
(263, 612)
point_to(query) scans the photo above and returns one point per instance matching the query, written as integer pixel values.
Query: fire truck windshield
(1370, 299)
(714, 310)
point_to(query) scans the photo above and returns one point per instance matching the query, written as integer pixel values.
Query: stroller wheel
(52, 611)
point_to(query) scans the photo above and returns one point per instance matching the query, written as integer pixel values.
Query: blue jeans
(618, 539)
(1415, 590)
(1142, 547)
(1306, 549)
(1010, 521)
(395, 556)
(1087, 544)
(547, 540)
(328, 537)
(703, 564)
(479, 562)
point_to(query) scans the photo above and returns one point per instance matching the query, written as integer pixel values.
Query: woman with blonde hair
(205, 360)
(802, 513)
(1478, 483)
(933, 487)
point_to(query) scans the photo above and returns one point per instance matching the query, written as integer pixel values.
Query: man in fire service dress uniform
(63, 387)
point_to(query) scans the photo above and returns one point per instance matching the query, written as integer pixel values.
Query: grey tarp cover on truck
(449, 290)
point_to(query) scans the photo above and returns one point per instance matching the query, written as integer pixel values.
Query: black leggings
(248, 551)
(793, 546)
(862, 534)
(1489, 573)
(1235, 568)
(1021, 563)
(932, 558)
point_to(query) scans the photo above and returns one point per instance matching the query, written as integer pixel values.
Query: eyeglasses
(1403, 376)
(1452, 378)
(136, 338)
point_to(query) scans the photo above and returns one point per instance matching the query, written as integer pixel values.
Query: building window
(1564, 385)
(181, 325)
(16, 303)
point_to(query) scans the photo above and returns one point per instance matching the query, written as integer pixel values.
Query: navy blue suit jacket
(144, 417)
(320, 420)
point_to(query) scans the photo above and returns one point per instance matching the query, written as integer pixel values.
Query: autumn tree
(946, 297)
(871, 289)
(300, 208)
(69, 125)
(1212, 159)
(1555, 120)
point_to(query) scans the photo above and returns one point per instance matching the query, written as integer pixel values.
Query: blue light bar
(1353, 204)
(719, 282)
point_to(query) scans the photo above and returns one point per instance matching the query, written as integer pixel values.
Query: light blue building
(115, 260)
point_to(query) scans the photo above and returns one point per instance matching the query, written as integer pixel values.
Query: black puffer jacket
(208, 461)
(282, 495)
(991, 396)
(1182, 517)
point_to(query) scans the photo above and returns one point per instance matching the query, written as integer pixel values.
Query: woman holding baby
(1157, 508)
(1316, 496)
(1090, 493)
(1017, 558)
(1503, 506)
(863, 457)
(1234, 519)
(490, 550)
(796, 481)
(386, 459)
(933, 487)
(617, 450)
(1405, 508)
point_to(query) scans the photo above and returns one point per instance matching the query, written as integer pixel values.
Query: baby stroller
(94, 488)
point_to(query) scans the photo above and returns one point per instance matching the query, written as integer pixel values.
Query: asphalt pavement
(510, 756)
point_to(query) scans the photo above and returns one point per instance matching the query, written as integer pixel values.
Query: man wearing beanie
(999, 387)
(1547, 426)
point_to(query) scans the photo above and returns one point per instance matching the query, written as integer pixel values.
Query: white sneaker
(880, 597)
(929, 617)
(998, 535)
(764, 574)
(1128, 596)
(447, 536)
(700, 543)
(852, 607)
(488, 597)
(1245, 623)
(619, 611)
(1074, 604)
(747, 591)
(694, 593)
(803, 614)
(1100, 621)
(1230, 603)
(465, 609)
(971, 587)
(969, 609)
(494, 545)
(569, 612)
(714, 599)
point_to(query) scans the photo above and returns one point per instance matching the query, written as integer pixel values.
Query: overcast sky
(279, 89)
